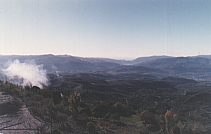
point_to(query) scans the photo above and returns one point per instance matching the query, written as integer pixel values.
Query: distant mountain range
(196, 67)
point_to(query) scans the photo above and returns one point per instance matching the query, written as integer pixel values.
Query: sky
(105, 28)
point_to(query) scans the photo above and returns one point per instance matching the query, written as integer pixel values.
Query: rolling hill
(197, 67)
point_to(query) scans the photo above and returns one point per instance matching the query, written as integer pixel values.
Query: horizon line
(115, 58)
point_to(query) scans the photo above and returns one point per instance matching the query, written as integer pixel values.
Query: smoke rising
(26, 74)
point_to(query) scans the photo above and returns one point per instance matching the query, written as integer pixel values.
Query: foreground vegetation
(92, 104)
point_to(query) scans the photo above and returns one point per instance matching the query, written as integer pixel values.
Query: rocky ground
(15, 115)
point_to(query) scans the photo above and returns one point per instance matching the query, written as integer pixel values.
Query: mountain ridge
(194, 67)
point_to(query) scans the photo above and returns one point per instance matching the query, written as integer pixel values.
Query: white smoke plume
(26, 74)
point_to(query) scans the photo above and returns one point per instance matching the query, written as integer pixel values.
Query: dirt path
(15, 115)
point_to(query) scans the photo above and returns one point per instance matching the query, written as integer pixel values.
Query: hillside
(197, 67)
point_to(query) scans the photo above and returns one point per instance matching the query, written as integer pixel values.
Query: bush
(91, 128)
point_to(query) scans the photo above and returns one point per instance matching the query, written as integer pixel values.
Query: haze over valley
(113, 91)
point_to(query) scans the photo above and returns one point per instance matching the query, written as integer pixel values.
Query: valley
(118, 99)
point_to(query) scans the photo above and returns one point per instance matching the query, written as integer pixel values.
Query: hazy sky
(105, 28)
